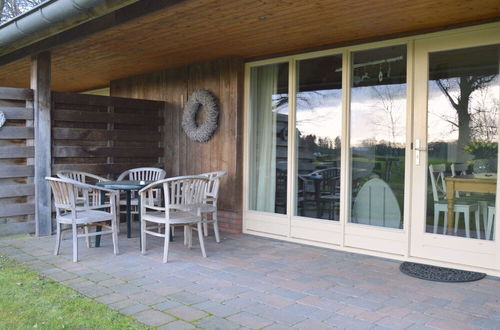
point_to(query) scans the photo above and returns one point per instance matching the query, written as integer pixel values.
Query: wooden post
(40, 83)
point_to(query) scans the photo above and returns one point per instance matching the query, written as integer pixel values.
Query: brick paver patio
(251, 282)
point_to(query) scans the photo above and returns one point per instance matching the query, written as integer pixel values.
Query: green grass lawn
(28, 300)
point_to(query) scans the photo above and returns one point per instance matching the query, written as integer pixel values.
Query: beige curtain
(264, 84)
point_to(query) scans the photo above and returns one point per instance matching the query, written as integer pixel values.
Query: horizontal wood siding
(224, 78)
(17, 207)
(105, 135)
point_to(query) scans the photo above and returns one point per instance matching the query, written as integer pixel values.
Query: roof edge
(52, 17)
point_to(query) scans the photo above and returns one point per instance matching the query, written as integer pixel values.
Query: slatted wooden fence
(17, 207)
(105, 135)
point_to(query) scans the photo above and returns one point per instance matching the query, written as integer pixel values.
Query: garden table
(128, 186)
(466, 183)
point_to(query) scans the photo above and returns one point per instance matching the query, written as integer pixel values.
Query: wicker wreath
(2, 118)
(203, 132)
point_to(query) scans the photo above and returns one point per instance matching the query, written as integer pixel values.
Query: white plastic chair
(464, 206)
(184, 197)
(210, 204)
(68, 213)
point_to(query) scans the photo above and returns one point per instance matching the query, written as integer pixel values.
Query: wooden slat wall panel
(16, 162)
(224, 78)
(105, 135)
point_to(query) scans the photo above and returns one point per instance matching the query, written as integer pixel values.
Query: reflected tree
(461, 101)
(12, 8)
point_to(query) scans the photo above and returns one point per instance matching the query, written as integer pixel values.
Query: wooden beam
(40, 83)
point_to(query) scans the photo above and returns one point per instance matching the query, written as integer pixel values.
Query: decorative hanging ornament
(203, 132)
(2, 118)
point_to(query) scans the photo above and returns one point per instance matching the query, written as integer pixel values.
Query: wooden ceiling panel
(199, 30)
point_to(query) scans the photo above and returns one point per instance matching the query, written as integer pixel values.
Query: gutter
(51, 17)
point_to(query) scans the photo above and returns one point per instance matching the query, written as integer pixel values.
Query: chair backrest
(178, 191)
(64, 193)
(143, 174)
(213, 184)
(437, 180)
(80, 176)
(459, 169)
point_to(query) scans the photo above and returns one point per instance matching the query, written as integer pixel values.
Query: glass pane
(319, 122)
(268, 138)
(463, 102)
(378, 136)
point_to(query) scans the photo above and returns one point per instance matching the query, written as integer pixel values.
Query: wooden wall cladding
(105, 135)
(17, 190)
(224, 78)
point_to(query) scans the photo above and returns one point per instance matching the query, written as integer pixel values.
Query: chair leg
(143, 236)
(202, 243)
(189, 231)
(478, 228)
(58, 239)
(216, 227)
(75, 242)
(489, 227)
(467, 224)
(87, 239)
(457, 219)
(167, 241)
(114, 235)
(445, 223)
(205, 224)
(436, 220)
(186, 237)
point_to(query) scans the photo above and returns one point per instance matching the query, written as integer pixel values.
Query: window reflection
(378, 136)
(318, 128)
(463, 105)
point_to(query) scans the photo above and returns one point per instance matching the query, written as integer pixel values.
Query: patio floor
(252, 282)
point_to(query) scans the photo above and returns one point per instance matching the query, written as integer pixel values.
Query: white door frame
(457, 250)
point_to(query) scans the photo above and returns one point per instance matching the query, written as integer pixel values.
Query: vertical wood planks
(224, 78)
(40, 83)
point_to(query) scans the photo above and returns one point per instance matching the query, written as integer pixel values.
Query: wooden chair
(84, 196)
(461, 205)
(69, 213)
(210, 204)
(184, 197)
(141, 174)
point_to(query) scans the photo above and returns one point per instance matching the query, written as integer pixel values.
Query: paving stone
(111, 282)
(126, 289)
(213, 322)
(62, 276)
(485, 323)
(163, 306)
(177, 325)
(147, 298)
(186, 313)
(250, 320)
(153, 317)
(187, 298)
(134, 308)
(308, 324)
(216, 308)
(111, 298)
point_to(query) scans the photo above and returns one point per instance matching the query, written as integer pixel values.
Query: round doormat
(439, 274)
